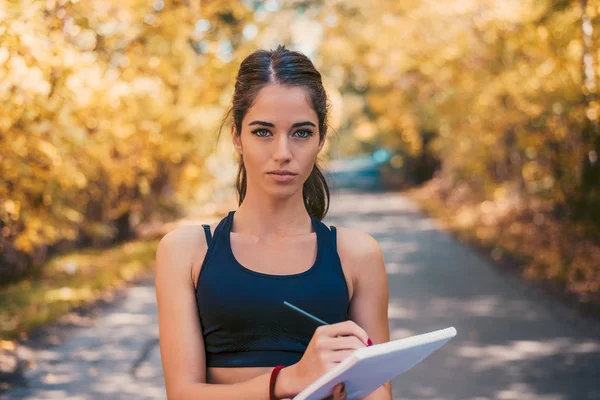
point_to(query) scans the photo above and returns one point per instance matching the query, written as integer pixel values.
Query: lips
(282, 177)
(282, 173)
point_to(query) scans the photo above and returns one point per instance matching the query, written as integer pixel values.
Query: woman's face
(279, 136)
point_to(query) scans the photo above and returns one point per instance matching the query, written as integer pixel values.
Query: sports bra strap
(207, 234)
(334, 236)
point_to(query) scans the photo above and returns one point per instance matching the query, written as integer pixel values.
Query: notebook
(370, 367)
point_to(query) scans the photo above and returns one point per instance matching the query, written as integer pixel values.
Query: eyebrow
(296, 125)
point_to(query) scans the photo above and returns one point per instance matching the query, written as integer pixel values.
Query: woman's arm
(180, 334)
(362, 256)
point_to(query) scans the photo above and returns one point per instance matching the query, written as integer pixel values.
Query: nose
(283, 150)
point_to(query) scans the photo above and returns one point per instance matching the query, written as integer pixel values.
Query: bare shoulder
(178, 250)
(185, 237)
(361, 256)
(355, 243)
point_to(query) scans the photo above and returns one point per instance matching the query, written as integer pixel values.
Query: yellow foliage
(110, 109)
(100, 117)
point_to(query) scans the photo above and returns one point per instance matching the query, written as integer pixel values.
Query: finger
(338, 356)
(341, 343)
(345, 328)
(342, 393)
(337, 391)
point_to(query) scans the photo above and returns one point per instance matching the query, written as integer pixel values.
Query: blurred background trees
(107, 107)
(111, 109)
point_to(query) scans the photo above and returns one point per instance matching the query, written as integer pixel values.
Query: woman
(224, 331)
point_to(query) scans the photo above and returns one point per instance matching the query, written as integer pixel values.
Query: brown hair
(285, 67)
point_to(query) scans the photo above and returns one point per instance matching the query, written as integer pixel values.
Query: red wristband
(274, 374)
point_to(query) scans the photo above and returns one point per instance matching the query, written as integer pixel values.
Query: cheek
(308, 159)
(255, 155)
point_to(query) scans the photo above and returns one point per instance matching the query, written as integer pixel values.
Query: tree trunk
(590, 168)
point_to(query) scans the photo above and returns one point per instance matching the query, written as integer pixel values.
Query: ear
(237, 140)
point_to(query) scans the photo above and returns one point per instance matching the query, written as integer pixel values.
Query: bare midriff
(234, 375)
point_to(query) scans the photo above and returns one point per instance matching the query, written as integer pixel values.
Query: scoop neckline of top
(272, 276)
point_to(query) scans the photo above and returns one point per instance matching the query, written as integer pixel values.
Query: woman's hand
(329, 346)
(339, 393)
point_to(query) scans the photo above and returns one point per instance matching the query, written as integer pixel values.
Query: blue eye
(262, 132)
(259, 132)
(306, 133)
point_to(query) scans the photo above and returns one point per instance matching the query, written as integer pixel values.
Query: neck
(268, 217)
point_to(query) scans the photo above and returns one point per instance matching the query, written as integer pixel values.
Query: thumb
(338, 391)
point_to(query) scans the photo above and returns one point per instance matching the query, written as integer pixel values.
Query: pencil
(318, 320)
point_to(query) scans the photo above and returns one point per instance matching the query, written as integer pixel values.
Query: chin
(283, 192)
